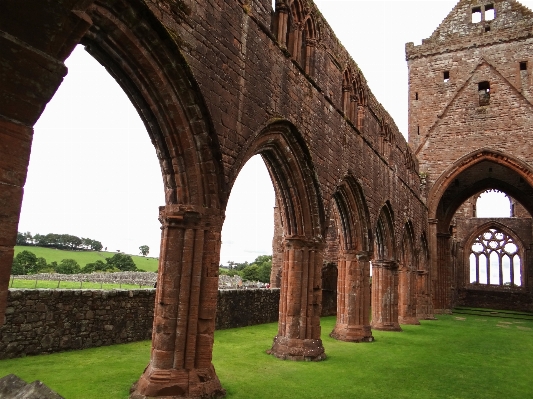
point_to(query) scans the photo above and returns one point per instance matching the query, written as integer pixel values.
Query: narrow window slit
(490, 13)
(484, 93)
(476, 15)
(523, 66)
(446, 76)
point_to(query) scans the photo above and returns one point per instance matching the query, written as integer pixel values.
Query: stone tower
(470, 122)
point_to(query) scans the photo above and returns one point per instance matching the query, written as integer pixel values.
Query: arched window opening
(295, 31)
(249, 224)
(495, 259)
(493, 204)
(346, 92)
(93, 170)
(308, 46)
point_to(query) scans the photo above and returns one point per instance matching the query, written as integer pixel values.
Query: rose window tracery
(495, 259)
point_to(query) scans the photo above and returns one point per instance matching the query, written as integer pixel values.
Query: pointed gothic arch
(146, 61)
(494, 247)
(385, 273)
(353, 282)
(302, 218)
(480, 170)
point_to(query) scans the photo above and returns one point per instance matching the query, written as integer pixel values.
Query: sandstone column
(298, 335)
(184, 318)
(353, 298)
(407, 289)
(424, 305)
(385, 295)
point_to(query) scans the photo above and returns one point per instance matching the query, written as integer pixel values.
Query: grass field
(47, 284)
(83, 257)
(466, 356)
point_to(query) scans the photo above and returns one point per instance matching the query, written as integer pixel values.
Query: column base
(352, 333)
(174, 384)
(386, 326)
(425, 316)
(412, 320)
(297, 349)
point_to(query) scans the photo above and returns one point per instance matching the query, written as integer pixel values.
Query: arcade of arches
(219, 82)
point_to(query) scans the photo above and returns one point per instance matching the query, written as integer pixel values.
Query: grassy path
(464, 356)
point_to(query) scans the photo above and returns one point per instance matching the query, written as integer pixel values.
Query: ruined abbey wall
(48, 321)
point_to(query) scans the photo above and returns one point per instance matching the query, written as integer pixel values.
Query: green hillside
(83, 257)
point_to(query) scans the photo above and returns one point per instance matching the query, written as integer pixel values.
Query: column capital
(295, 241)
(190, 216)
(385, 264)
(282, 7)
(361, 256)
(433, 221)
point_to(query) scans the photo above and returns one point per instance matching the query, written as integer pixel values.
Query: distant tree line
(59, 241)
(26, 262)
(258, 270)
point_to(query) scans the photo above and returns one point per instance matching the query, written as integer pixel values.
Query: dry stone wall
(47, 321)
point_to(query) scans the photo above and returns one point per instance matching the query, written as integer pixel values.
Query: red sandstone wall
(248, 79)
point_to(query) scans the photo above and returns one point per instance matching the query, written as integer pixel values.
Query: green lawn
(72, 285)
(83, 257)
(457, 356)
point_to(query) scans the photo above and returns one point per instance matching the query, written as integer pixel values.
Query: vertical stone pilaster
(298, 335)
(15, 147)
(353, 298)
(282, 23)
(277, 250)
(443, 288)
(184, 317)
(385, 296)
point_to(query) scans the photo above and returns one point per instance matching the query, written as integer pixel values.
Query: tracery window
(495, 259)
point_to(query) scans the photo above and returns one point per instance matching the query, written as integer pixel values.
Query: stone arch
(514, 165)
(353, 282)
(133, 47)
(140, 53)
(384, 246)
(302, 218)
(291, 168)
(475, 172)
(385, 273)
(516, 240)
(407, 278)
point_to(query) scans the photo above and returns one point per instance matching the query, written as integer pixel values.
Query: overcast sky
(93, 170)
